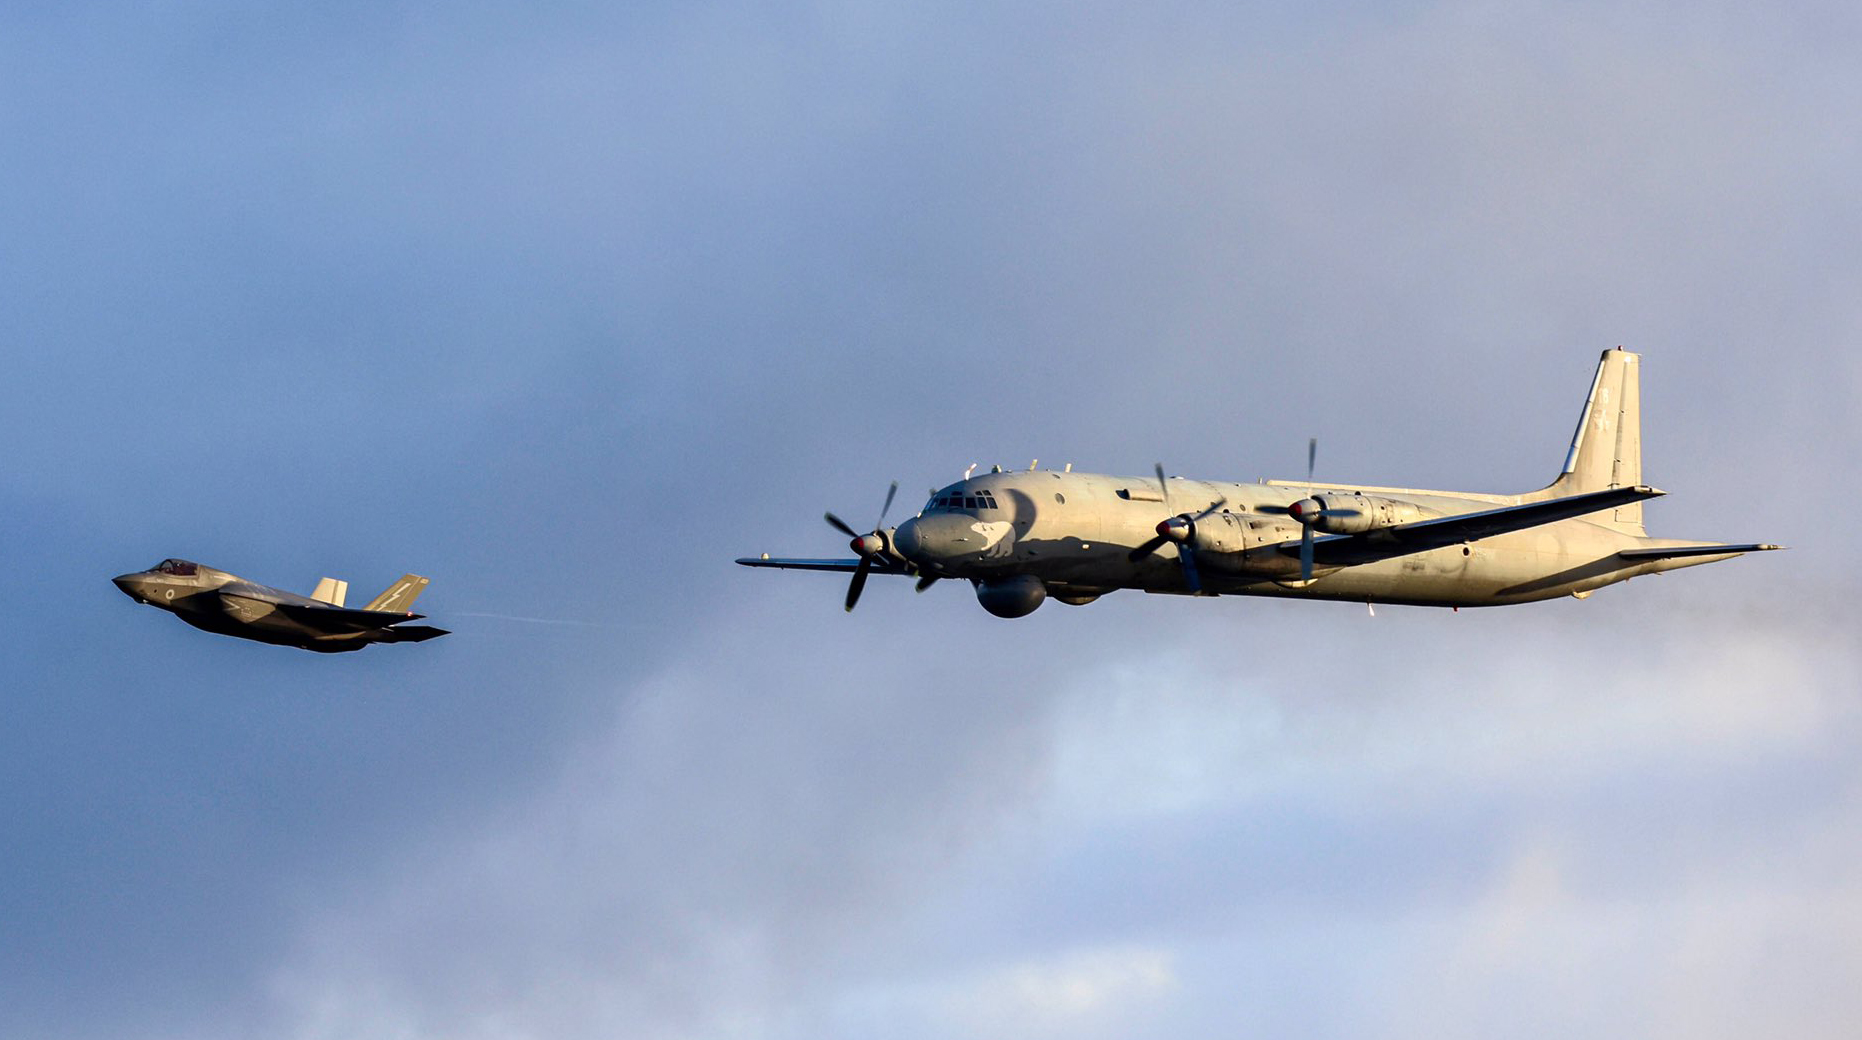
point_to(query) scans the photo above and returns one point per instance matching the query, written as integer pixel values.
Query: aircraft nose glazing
(927, 539)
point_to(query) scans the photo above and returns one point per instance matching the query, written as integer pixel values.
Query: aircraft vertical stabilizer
(331, 591)
(1606, 450)
(401, 595)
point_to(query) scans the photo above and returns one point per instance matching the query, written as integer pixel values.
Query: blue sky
(568, 306)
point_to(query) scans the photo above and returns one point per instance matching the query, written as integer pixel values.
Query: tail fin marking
(401, 595)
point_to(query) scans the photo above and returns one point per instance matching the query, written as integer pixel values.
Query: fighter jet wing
(879, 566)
(340, 619)
(1423, 535)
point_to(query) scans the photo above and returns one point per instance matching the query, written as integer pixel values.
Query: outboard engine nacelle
(1011, 597)
(1335, 513)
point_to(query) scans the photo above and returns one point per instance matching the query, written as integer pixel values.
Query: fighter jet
(230, 605)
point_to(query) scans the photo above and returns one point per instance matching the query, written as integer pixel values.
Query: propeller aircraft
(1024, 537)
(232, 606)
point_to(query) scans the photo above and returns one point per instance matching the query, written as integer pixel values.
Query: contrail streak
(537, 620)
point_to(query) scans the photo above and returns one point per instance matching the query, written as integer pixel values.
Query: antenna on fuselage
(967, 472)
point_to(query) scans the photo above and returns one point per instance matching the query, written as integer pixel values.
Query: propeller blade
(1219, 503)
(859, 582)
(840, 525)
(1151, 545)
(1305, 554)
(1190, 577)
(1163, 486)
(1146, 548)
(1312, 460)
(883, 510)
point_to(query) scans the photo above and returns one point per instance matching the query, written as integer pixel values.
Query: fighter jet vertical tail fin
(331, 591)
(401, 595)
(1606, 450)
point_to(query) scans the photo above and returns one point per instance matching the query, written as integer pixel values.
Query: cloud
(1087, 855)
(1079, 992)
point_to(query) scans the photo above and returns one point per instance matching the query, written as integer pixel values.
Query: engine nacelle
(1246, 544)
(1011, 597)
(1243, 543)
(1336, 513)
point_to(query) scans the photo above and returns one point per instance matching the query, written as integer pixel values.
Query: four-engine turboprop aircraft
(230, 605)
(1022, 537)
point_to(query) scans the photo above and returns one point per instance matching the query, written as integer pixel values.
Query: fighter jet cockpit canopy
(178, 568)
(952, 499)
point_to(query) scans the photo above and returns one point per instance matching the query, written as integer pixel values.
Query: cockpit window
(974, 500)
(179, 568)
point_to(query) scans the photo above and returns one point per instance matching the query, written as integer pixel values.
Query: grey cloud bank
(568, 307)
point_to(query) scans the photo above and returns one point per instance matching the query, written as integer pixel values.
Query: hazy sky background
(567, 305)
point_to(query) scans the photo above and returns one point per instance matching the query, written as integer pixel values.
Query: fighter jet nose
(127, 584)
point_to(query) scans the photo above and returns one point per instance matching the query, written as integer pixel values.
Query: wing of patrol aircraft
(844, 566)
(1419, 536)
(874, 549)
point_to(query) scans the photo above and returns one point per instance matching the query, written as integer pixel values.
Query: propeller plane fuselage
(227, 604)
(1023, 537)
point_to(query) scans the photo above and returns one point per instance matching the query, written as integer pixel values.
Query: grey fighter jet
(230, 605)
(1021, 538)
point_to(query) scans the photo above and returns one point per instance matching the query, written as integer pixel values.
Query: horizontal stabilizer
(411, 634)
(1677, 551)
(844, 566)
